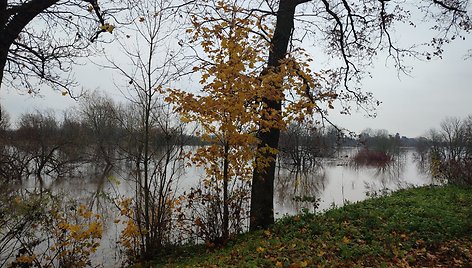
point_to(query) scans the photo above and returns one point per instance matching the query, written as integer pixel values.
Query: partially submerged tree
(450, 154)
(99, 116)
(39, 139)
(302, 145)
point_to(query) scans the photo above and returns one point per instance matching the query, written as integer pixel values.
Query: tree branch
(448, 7)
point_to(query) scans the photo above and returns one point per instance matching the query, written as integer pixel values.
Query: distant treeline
(99, 132)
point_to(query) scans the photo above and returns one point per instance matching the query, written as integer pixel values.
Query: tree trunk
(12, 24)
(225, 193)
(262, 193)
(3, 43)
(3, 60)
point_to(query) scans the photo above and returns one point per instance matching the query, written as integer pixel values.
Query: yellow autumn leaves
(267, 253)
(72, 238)
(107, 27)
(130, 235)
(230, 107)
(235, 79)
(77, 238)
(226, 108)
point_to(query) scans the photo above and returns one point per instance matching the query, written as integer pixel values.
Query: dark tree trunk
(3, 59)
(17, 17)
(262, 193)
(3, 40)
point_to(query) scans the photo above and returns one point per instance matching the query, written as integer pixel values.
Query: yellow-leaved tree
(226, 110)
(230, 111)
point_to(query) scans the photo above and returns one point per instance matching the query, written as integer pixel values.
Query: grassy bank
(428, 226)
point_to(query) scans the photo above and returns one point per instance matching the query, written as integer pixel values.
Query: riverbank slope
(420, 227)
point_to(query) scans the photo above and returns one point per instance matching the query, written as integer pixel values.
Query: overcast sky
(411, 105)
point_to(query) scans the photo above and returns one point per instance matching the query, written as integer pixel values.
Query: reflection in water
(385, 174)
(299, 188)
(422, 159)
(337, 181)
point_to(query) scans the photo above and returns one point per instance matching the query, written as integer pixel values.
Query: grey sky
(413, 104)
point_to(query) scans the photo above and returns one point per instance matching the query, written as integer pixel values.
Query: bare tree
(450, 153)
(467, 124)
(75, 132)
(40, 39)
(4, 119)
(452, 134)
(99, 115)
(150, 61)
(38, 137)
(7, 162)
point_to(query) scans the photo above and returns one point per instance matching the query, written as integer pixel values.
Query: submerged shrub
(40, 230)
(372, 158)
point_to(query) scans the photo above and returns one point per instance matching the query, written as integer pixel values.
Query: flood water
(332, 182)
(338, 181)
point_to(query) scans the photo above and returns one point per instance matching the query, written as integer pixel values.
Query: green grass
(427, 226)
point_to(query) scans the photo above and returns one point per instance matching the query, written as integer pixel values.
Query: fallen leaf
(346, 240)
